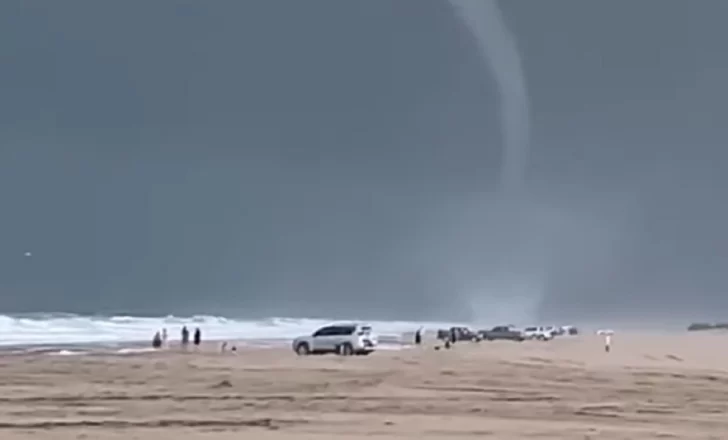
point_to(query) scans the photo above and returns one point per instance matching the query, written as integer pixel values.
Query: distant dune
(698, 326)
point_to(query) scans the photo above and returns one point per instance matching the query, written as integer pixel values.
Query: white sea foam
(67, 353)
(136, 350)
(74, 329)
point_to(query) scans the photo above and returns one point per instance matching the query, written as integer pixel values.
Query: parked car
(455, 334)
(539, 333)
(502, 332)
(570, 330)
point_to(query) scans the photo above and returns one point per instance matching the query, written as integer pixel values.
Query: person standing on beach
(418, 336)
(185, 337)
(197, 338)
(607, 342)
(164, 338)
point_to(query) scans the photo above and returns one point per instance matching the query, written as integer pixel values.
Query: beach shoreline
(130, 347)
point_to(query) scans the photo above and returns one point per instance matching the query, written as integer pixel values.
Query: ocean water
(49, 329)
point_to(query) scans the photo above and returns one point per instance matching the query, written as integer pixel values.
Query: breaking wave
(62, 328)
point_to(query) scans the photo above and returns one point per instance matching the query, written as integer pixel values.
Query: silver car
(343, 339)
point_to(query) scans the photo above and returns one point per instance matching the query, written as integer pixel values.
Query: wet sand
(648, 387)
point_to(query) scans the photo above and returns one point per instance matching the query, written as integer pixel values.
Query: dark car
(455, 334)
(502, 332)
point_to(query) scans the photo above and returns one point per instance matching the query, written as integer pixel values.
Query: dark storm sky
(326, 157)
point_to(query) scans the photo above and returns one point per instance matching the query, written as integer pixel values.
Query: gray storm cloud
(348, 158)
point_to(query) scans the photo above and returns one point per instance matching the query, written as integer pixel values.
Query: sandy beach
(648, 387)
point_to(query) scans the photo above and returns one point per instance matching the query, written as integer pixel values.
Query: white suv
(344, 339)
(540, 333)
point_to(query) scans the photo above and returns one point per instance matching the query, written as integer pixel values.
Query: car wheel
(346, 350)
(302, 349)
